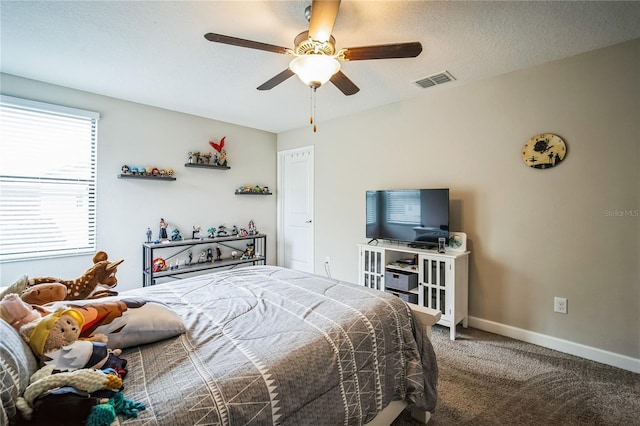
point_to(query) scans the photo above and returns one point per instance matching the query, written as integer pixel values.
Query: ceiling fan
(316, 59)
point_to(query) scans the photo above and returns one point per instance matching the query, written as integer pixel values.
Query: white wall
(140, 135)
(534, 234)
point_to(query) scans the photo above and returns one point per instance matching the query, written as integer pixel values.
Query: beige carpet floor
(487, 379)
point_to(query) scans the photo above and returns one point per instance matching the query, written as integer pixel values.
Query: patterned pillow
(127, 320)
(17, 287)
(17, 364)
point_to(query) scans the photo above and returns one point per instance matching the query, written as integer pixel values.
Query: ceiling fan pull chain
(315, 120)
(311, 105)
(313, 108)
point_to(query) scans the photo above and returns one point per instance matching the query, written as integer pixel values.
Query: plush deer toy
(96, 282)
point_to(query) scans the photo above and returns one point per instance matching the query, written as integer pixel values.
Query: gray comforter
(267, 345)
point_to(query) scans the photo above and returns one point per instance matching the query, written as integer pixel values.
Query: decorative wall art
(544, 151)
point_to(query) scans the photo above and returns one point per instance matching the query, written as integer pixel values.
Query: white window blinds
(372, 207)
(403, 207)
(47, 180)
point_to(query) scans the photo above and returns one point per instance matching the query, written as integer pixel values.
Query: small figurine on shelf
(222, 231)
(170, 172)
(234, 230)
(248, 253)
(190, 258)
(222, 158)
(203, 257)
(175, 235)
(234, 254)
(252, 228)
(222, 154)
(159, 264)
(265, 189)
(211, 232)
(206, 158)
(163, 230)
(196, 232)
(149, 234)
(190, 157)
(243, 232)
(125, 170)
(218, 253)
(209, 255)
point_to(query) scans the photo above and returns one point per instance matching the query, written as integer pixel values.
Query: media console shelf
(179, 250)
(442, 278)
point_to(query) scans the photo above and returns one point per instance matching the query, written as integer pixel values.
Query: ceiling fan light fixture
(314, 70)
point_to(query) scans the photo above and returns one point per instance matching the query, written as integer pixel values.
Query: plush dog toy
(41, 294)
(36, 294)
(97, 281)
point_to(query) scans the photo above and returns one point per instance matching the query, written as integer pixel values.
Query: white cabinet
(443, 278)
(372, 267)
(443, 285)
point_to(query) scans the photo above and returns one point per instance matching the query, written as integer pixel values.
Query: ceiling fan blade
(273, 82)
(323, 16)
(343, 83)
(383, 51)
(234, 41)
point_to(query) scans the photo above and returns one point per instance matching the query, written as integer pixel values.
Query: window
(403, 207)
(372, 207)
(47, 180)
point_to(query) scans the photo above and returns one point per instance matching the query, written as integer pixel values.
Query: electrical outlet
(560, 305)
(327, 260)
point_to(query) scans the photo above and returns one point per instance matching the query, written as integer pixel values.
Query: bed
(267, 345)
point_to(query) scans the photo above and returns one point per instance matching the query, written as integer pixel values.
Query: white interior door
(295, 209)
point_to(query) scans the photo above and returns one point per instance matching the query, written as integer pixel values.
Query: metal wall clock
(544, 151)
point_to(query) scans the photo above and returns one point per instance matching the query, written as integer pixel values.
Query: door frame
(280, 204)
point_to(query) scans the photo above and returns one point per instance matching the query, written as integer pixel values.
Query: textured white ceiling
(154, 52)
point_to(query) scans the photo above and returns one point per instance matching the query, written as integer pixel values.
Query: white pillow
(127, 320)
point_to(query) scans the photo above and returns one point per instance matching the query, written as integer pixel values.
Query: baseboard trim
(566, 346)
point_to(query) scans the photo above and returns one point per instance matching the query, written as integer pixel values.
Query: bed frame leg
(421, 415)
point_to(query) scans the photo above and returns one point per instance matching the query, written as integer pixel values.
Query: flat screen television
(415, 216)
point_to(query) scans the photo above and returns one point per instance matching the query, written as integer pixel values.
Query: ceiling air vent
(432, 80)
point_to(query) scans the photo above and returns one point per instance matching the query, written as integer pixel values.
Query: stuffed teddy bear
(55, 331)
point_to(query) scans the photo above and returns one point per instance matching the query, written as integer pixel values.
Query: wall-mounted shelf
(253, 193)
(206, 166)
(125, 176)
